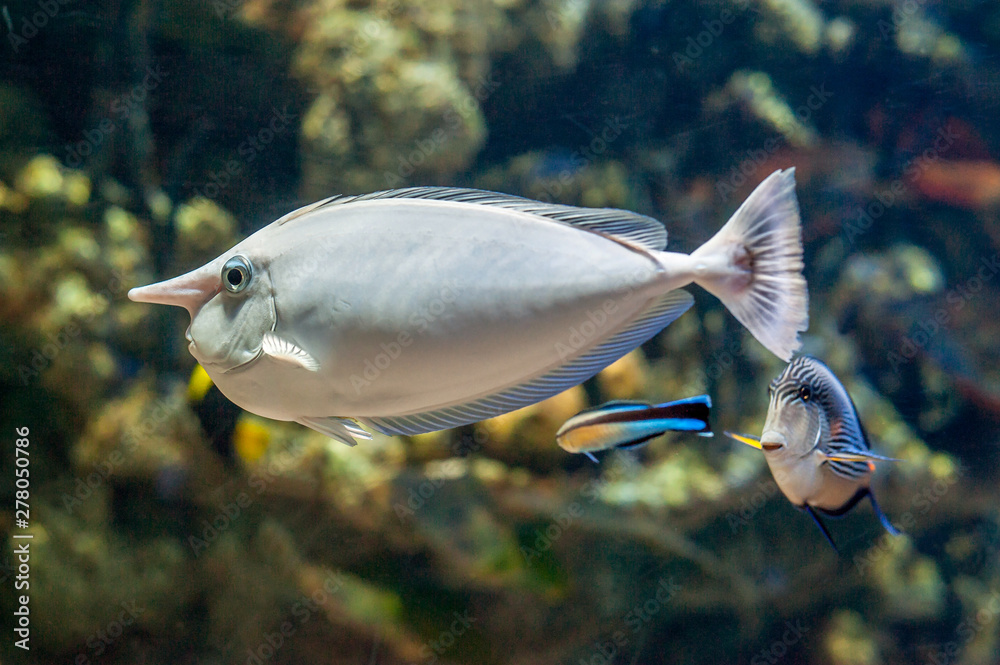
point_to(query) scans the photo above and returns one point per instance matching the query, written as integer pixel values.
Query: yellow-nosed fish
(815, 444)
(422, 309)
(628, 425)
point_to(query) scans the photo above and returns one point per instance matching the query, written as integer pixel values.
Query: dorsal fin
(624, 225)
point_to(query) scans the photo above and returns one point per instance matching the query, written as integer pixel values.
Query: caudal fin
(754, 265)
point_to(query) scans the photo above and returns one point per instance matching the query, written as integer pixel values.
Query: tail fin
(754, 265)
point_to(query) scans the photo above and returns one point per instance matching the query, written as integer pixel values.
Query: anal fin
(341, 429)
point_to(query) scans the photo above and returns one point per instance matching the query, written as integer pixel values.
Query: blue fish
(626, 425)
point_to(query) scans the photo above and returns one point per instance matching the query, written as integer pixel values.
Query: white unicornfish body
(421, 309)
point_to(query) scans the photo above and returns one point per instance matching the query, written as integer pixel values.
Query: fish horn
(190, 291)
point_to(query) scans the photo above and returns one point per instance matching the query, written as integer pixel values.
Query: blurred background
(141, 138)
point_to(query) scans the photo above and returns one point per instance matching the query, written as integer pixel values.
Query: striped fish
(627, 425)
(815, 444)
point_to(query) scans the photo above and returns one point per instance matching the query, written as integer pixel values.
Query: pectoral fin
(857, 456)
(742, 438)
(282, 350)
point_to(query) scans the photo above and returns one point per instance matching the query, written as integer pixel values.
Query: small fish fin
(639, 443)
(763, 285)
(302, 211)
(856, 456)
(882, 516)
(658, 315)
(591, 456)
(625, 225)
(282, 350)
(743, 438)
(845, 463)
(341, 429)
(697, 399)
(822, 527)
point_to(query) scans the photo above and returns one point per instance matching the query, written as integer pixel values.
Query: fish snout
(190, 291)
(772, 440)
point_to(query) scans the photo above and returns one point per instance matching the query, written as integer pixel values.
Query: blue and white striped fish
(815, 444)
(628, 425)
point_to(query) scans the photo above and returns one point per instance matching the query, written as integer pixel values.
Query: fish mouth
(771, 441)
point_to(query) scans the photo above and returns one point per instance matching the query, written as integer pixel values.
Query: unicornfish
(419, 309)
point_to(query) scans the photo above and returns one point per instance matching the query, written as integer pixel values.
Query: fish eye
(805, 393)
(236, 274)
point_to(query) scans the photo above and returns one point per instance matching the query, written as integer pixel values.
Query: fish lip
(771, 441)
(205, 362)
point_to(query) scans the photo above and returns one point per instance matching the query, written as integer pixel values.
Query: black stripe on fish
(694, 410)
(847, 433)
(846, 508)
